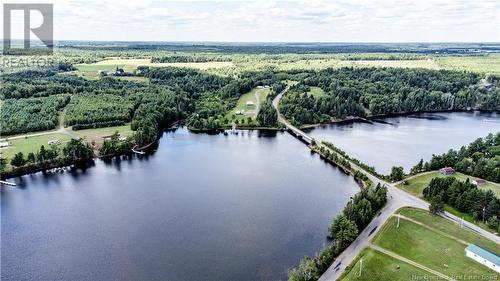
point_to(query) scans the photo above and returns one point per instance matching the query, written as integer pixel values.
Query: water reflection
(200, 207)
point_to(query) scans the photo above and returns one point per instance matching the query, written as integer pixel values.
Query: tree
(397, 174)
(306, 271)
(18, 160)
(31, 157)
(77, 150)
(417, 168)
(437, 205)
(3, 164)
(344, 231)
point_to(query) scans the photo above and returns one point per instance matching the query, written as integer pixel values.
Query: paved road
(287, 124)
(396, 198)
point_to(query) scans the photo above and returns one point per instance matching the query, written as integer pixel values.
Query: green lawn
(249, 110)
(31, 144)
(378, 266)
(417, 184)
(449, 227)
(428, 248)
(97, 134)
(317, 92)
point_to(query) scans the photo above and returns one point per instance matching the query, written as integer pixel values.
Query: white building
(4, 144)
(250, 103)
(483, 256)
(54, 142)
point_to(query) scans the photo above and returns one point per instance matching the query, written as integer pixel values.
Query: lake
(403, 141)
(202, 207)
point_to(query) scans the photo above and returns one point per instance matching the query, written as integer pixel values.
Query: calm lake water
(237, 207)
(403, 141)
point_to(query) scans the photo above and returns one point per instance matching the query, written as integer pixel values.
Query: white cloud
(339, 20)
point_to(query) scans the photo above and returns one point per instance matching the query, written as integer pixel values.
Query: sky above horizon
(276, 21)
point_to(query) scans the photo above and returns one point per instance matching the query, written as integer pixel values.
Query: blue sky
(279, 21)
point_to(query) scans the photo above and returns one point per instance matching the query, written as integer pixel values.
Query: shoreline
(222, 130)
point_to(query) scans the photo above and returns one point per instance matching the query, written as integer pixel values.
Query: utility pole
(360, 266)
(462, 222)
(398, 223)
(484, 210)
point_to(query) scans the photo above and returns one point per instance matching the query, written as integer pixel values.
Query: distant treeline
(184, 58)
(280, 48)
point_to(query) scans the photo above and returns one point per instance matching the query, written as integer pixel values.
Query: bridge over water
(290, 128)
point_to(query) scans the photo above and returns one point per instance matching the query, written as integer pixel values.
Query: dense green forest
(379, 91)
(31, 114)
(466, 197)
(481, 158)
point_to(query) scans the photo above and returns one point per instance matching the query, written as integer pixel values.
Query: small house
(4, 144)
(447, 171)
(478, 182)
(54, 142)
(250, 103)
(483, 257)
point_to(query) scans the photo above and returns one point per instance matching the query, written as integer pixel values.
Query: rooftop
(484, 254)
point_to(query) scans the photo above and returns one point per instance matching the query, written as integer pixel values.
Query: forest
(481, 158)
(466, 197)
(32, 114)
(360, 92)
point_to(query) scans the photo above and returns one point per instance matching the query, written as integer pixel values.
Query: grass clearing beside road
(428, 248)
(378, 266)
(447, 226)
(417, 184)
(30, 144)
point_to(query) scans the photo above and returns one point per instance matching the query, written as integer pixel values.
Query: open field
(417, 184)
(423, 240)
(31, 144)
(426, 63)
(97, 134)
(249, 110)
(317, 92)
(448, 227)
(378, 266)
(488, 64)
(428, 248)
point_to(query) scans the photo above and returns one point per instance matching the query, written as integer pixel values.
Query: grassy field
(425, 245)
(98, 134)
(90, 71)
(417, 184)
(378, 266)
(317, 92)
(449, 227)
(31, 144)
(250, 110)
(428, 248)
(488, 64)
(425, 63)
